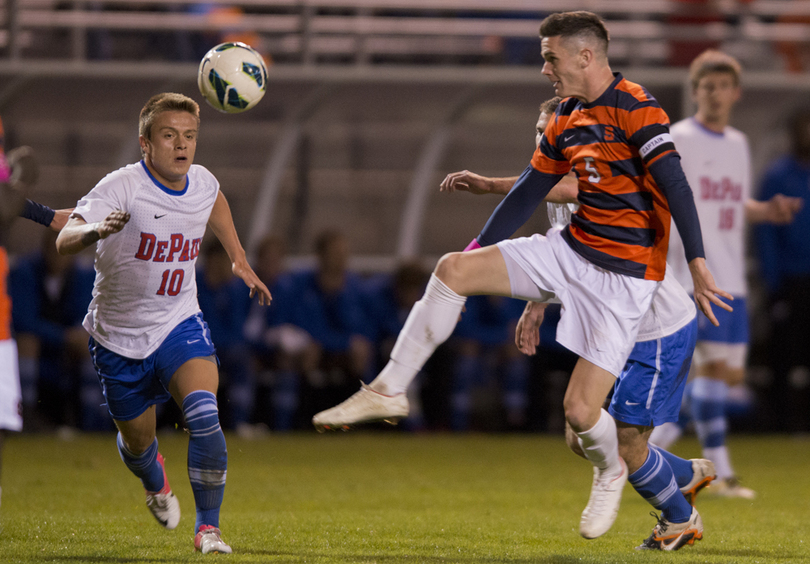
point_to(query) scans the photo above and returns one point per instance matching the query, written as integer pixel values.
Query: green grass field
(384, 498)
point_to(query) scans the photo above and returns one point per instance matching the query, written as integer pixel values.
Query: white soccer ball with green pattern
(232, 77)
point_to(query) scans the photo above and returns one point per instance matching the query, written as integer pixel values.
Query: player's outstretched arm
(565, 192)
(476, 184)
(77, 235)
(706, 292)
(60, 219)
(779, 210)
(221, 223)
(527, 332)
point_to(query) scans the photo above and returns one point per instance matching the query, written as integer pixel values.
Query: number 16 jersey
(145, 281)
(718, 168)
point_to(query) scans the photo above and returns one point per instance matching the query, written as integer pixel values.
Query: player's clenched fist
(113, 223)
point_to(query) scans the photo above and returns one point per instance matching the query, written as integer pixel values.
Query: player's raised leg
(194, 387)
(429, 324)
(138, 448)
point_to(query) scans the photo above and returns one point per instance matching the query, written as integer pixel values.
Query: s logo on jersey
(165, 251)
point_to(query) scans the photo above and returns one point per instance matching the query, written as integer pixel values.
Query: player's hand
(60, 219)
(706, 292)
(527, 332)
(242, 270)
(466, 181)
(782, 209)
(113, 223)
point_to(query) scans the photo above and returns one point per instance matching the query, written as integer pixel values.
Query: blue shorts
(649, 390)
(132, 385)
(733, 324)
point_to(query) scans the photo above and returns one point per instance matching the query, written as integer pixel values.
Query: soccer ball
(232, 77)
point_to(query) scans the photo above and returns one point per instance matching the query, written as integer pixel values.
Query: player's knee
(735, 376)
(450, 270)
(137, 443)
(579, 415)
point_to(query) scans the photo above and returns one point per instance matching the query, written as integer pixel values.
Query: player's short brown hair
(165, 102)
(550, 105)
(711, 61)
(576, 24)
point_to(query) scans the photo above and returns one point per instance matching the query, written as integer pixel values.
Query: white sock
(429, 324)
(722, 462)
(665, 435)
(601, 444)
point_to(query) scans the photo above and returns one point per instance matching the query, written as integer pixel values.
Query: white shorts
(10, 397)
(601, 310)
(734, 354)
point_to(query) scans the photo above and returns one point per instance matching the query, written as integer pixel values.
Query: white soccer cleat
(603, 505)
(731, 487)
(672, 536)
(163, 504)
(364, 406)
(704, 473)
(208, 541)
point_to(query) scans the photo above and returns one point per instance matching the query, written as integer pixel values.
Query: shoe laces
(662, 525)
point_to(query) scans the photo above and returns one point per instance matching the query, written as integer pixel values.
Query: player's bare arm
(706, 292)
(565, 192)
(60, 219)
(221, 223)
(476, 184)
(527, 334)
(77, 235)
(779, 210)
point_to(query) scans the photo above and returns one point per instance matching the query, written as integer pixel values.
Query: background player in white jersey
(717, 163)
(148, 339)
(648, 391)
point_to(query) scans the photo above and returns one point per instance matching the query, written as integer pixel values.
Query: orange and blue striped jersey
(5, 301)
(624, 219)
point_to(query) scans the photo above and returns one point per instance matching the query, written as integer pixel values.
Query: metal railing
(369, 31)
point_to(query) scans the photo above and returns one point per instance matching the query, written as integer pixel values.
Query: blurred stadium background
(370, 103)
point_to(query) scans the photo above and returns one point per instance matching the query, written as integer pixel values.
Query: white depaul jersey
(671, 309)
(718, 168)
(145, 283)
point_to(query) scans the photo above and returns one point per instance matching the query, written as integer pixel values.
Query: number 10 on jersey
(171, 282)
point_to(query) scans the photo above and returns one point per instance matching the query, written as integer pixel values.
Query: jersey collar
(163, 187)
(705, 129)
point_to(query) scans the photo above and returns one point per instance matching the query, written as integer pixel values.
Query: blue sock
(145, 465)
(682, 469)
(207, 456)
(709, 411)
(656, 483)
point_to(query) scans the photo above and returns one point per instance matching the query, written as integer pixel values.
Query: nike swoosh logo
(159, 216)
(567, 139)
(194, 341)
(632, 402)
